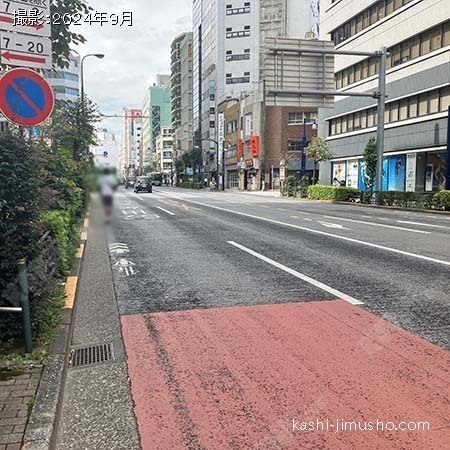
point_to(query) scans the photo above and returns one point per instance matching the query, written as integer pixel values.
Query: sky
(133, 55)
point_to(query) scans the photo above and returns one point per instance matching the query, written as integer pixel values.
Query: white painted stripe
(124, 212)
(299, 275)
(165, 210)
(382, 225)
(142, 211)
(423, 224)
(324, 233)
(157, 217)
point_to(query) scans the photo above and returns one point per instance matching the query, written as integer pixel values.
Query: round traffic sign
(26, 98)
(105, 153)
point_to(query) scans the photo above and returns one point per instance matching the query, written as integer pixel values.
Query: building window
(296, 118)
(427, 103)
(366, 18)
(294, 146)
(419, 45)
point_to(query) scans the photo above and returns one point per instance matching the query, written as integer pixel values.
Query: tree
(319, 151)
(62, 36)
(74, 126)
(370, 159)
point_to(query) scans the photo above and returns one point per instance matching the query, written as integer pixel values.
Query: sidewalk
(16, 399)
(97, 409)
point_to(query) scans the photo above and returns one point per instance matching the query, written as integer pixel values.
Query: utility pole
(381, 111)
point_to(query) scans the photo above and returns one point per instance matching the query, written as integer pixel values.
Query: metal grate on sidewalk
(91, 355)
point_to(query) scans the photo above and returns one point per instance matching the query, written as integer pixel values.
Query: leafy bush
(420, 200)
(61, 225)
(290, 186)
(343, 194)
(191, 185)
(441, 200)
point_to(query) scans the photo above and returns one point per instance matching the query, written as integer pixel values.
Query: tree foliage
(319, 151)
(370, 158)
(74, 126)
(62, 36)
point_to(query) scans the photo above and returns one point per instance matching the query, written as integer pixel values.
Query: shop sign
(282, 173)
(254, 146)
(240, 148)
(411, 165)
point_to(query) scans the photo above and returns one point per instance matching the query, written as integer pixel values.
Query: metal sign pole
(447, 172)
(381, 111)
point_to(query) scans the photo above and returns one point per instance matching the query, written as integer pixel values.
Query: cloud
(133, 55)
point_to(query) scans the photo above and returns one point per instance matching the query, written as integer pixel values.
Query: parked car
(130, 182)
(143, 184)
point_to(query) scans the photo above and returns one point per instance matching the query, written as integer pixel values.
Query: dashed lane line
(324, 233)
(165, 210)
(382, 225)
(299, 275)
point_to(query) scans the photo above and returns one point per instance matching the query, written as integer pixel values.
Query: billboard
(397, 173)
(287, 71)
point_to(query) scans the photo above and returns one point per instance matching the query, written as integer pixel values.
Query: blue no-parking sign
(26, 98)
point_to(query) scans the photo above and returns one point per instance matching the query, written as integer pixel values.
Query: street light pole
(97, 55)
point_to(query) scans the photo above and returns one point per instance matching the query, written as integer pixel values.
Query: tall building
(417, 35)
(131, 161)
(65, 82)
(164, 154)
(228, 47)
(157, 112)
(181, 83)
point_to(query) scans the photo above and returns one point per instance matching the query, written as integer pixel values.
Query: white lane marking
(143, 212)
(324, 233)
(299, 275)
(382, 225)
(124, 212)
(165, 210)
(333, 225)
(308, 219)
(295, 217)
(423, 224)
(157, 217)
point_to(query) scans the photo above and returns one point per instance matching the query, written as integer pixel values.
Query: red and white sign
(36, 14)
(26, 51)
(136, 114)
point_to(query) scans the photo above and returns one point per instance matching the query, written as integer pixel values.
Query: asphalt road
(212, 287)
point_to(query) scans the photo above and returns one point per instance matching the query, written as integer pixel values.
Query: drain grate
(93, 354)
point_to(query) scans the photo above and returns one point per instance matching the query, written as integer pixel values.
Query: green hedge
(320, 192)
(191, 185)
(420, 200)
(61, 225)
(441, 200)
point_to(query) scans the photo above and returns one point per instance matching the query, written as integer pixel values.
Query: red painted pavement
(235, 378)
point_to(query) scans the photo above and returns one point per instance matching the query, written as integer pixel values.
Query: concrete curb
(394, 208)
(40, 431)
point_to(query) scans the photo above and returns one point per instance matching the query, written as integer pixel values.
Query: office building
(157, 112)
(65, 82)
(131, 159)
(181, 84)
(228, 48)
(417, 35)
(164, 154)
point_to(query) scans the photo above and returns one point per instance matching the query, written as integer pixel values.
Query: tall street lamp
(97, 55)
(305, 142)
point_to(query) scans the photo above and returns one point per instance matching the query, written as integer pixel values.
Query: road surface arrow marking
(333, 225)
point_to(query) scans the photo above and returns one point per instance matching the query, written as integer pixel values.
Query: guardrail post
(25, 303)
